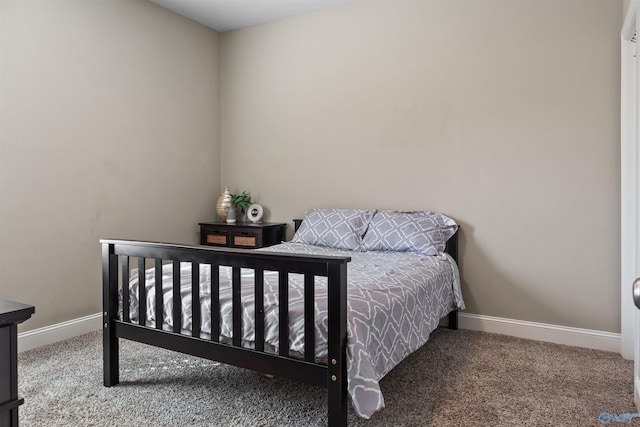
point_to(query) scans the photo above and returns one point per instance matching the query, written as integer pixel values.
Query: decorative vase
(223, 204)
(231, 215)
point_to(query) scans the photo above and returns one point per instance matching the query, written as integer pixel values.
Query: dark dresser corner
(11, 314)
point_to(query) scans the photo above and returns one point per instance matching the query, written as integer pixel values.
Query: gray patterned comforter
(395, 300)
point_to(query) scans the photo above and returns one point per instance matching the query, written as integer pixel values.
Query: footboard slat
(177, 299)
(142, 292)
(283, 313)
(159, 307)
(125, 290)
(259, 312)
(309, 318)
(236, 299)
(195, 299)
(215, 303)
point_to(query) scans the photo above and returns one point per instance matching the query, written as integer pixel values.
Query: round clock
(254, 213)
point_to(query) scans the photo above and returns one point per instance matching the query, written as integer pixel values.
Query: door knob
(636, 292)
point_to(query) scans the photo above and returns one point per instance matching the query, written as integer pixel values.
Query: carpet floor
(459, 378)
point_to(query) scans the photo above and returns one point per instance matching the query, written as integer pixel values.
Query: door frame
(630, 187)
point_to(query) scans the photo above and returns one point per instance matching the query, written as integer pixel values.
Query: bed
(344, 331)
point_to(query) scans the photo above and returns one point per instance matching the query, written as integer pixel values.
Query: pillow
(335, 228)
(422, 232)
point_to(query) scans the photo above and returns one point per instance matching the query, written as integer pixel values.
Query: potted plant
(241, 201)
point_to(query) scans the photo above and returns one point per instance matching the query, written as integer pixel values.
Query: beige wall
(501, 114)
(109, 128)
(504, 115)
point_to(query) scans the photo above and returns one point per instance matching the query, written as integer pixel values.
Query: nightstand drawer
(241, 235)
(246, 238)
(244, 241)
(215, 237)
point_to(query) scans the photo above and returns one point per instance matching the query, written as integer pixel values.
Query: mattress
(394, 301)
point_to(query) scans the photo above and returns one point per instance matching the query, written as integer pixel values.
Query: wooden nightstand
(242, 235)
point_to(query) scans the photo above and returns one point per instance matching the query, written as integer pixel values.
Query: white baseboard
(636, 394)
(598, 340)
(58, 332)
(588, 338)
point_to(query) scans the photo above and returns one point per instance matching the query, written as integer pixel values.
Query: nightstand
(246, 235)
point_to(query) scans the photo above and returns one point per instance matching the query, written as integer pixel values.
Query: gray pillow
(335, 228)
(422, 232)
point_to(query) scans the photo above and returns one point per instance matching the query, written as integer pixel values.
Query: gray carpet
(459, 378)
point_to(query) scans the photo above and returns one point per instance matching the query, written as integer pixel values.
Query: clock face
(254, 213)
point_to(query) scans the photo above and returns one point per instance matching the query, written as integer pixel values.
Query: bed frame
(332, 375)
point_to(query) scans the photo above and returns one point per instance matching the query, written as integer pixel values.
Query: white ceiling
(225, 15)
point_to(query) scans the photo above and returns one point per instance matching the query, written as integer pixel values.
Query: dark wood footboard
(333, 375)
